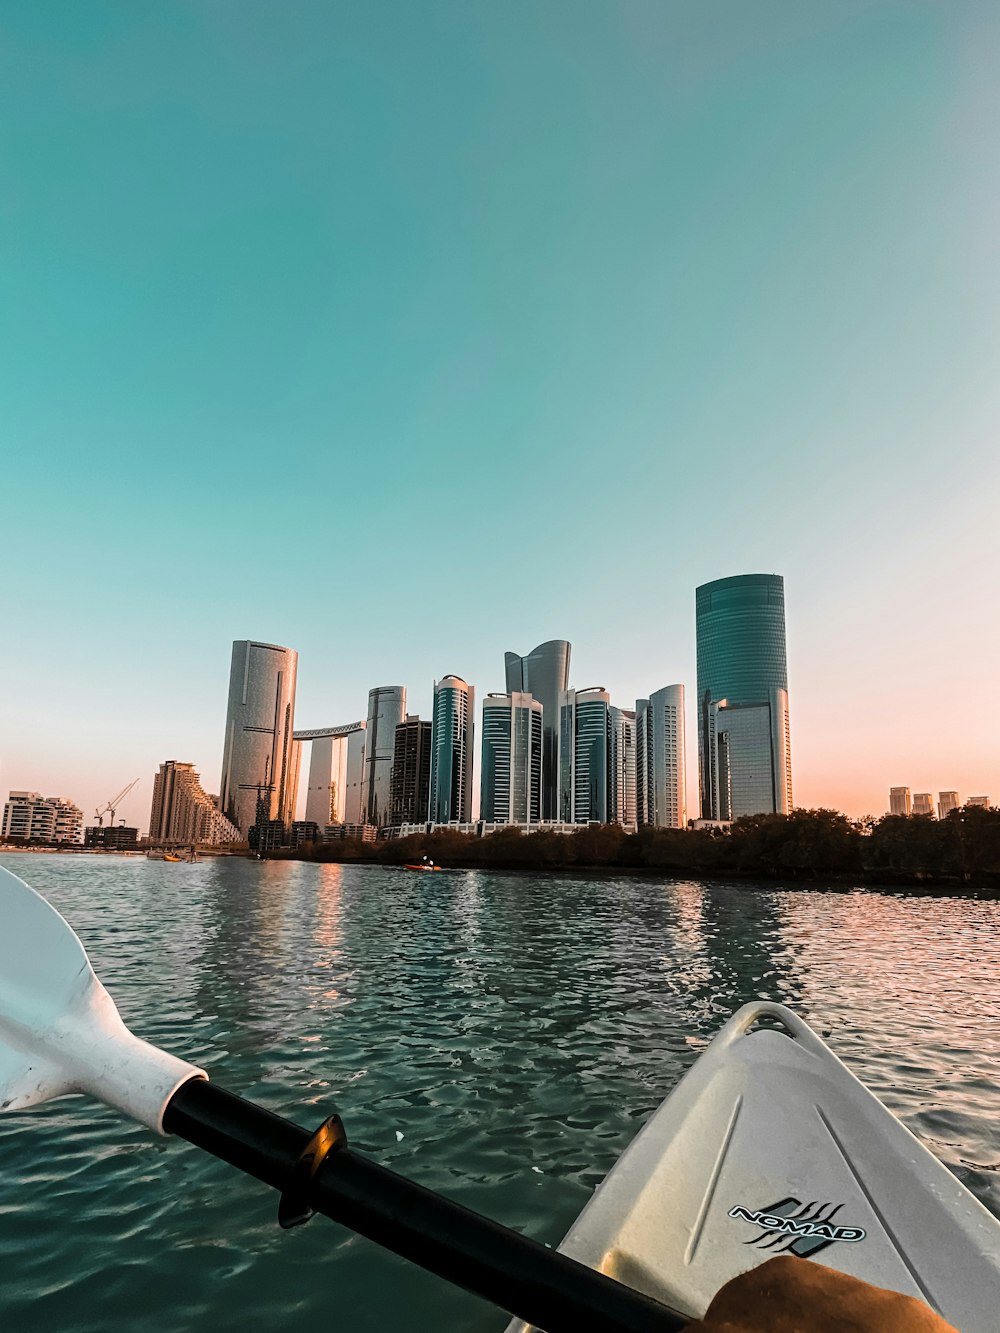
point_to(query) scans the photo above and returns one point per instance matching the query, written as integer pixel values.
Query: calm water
(498, 1037)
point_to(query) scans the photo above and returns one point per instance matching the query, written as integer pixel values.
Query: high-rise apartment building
(183, 812)
(983, 801)
(452, 738)
(744, 749)
(661, 793)
(900, 802)
(622, 767)
(411, 772)
(923, 803)
(583, 755)
(31, 817)
(544, 674)
(511, 778)
(386, 709)
(258, 752)
(336, 773)
(947, 800)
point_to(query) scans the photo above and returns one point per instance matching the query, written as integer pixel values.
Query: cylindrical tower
(452, 735)
(386, 709)
(661, 795)
(742, 687)
(258, 745)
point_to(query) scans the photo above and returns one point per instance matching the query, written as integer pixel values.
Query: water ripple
(498, 1037)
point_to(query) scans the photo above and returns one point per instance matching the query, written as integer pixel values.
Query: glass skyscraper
(451, 752)
(544, 674)
(411, 771)
(744, 754)
(584, 735)
(258, 746)
(511, 779)
(386, 709)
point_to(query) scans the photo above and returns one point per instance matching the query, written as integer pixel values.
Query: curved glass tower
(258, 747)
(451, 752)
(544, 674)
(386, 709)
(744, 757)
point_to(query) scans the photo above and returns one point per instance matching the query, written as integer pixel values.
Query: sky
(404, 335)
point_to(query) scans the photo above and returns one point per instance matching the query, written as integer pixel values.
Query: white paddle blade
(59, 1029)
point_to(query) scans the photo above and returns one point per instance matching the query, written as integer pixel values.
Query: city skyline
(675, 294)
(135, 809)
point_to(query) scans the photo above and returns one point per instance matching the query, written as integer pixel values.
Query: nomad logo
(805, 1228)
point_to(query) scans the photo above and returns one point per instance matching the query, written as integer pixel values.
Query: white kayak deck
(768, 1145)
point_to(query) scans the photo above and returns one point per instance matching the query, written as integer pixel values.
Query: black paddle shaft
(540, 1286)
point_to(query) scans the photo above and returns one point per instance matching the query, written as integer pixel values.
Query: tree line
(807, 844)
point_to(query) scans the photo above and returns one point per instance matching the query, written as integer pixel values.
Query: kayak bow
(769, 1145)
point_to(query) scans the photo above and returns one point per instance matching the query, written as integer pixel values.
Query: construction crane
(112, 806)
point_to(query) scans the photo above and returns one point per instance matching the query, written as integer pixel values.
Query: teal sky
(408, 333)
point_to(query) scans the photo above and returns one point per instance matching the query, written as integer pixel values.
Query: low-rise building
(303, 831)
(341, 832)
(114, 838)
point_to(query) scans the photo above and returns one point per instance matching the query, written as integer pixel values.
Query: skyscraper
(899, 801)
(182, 811)
(258, 744)
(411, 772)
(583, 755)
(744, 750)
(511, 779)
(621, 767)
(386, 709)
(661, 796)
(452, 738)
(923, 803)
(544, 674)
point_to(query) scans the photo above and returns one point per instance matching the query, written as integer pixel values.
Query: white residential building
(31, 817)
(661, 790)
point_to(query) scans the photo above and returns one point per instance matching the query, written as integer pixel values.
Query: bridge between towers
(320, 733)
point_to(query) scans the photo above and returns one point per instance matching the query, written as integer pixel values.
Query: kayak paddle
(61, 1033)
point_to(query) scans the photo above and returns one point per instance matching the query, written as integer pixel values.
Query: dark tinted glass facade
(411, 771)
(740, 630)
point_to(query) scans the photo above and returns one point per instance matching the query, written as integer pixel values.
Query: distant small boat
(169, 856)
(430, 867)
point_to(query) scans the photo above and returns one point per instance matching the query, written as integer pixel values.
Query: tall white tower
(258, 745)
(386, 709)
(661, 795)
